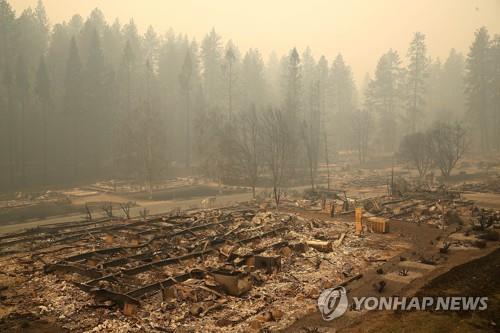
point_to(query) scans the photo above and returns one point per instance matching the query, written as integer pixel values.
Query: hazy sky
(360, 29)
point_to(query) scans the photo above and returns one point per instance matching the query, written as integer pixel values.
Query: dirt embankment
(463, 273)
(479, 277)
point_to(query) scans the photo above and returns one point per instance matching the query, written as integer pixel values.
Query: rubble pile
(347, 176)
(234, 269)
(421, 203)
(491, 186)
(442, 208)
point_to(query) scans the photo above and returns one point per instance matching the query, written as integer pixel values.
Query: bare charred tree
(448, 144)
(276, 138)
(126, 208)
(108, 209)
(415, 150)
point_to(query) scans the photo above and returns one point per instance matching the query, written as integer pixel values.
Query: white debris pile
(115, 326)
(60, 297)
(265, 217)
(278, 298)
(267, 272)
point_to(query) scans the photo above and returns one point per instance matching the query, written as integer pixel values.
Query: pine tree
(293, 82)
(75, 25)
(385, 95)
(273, 75)
(7, 101)
(230, 58)
(95, 101)
(42, 26)
(170, 62)
(477, 84)
(22, 89)
(342, 85)
(322, 69)
(32, 34)
(11, 122)
(309, 82)
(211, 55)
(253, 80)
(113, 44)
(127, 78)
(131, 35)
(97, 21)
(452, 85)
(56, 60)
(128, 69)
(292, 104)
(7, 19)
(73, 103)
(323, 114)
(185, 82)
(417, 72)
(342, 92)
(495, 87)
(151, 45)
(42, 89)
(94, 72)
(432, 99)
